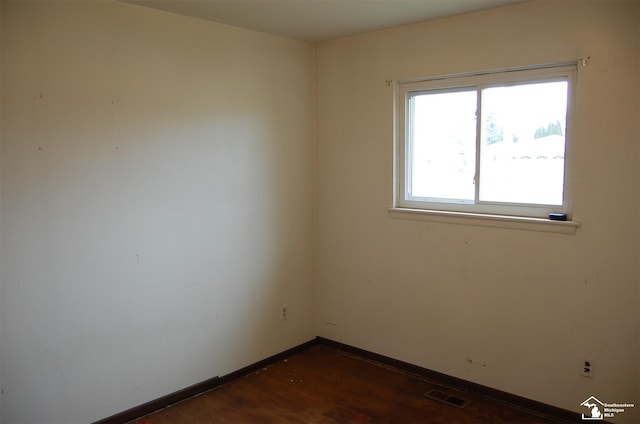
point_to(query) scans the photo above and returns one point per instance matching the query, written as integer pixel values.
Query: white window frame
(502, 77)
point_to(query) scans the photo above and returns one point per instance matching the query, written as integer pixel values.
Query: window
(492, 143)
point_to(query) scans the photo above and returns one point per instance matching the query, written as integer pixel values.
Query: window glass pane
(523, 143)
(444, 145)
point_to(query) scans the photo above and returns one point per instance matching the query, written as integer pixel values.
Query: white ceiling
(320, 20)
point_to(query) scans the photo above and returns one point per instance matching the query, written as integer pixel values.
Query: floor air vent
(443, 397)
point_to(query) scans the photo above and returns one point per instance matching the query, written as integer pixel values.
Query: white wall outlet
(284, 313)
(587, 368)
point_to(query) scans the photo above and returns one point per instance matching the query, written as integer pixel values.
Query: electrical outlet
(283, 312)
(587, 368)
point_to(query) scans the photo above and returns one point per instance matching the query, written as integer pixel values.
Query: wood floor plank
(322, 385)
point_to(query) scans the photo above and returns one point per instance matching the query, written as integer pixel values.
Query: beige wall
(510, 309)
(156, 204)
(157, 209)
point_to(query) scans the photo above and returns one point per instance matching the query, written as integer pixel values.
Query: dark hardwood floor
(323, 385)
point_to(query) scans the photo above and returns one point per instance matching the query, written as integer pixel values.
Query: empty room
(195, 190)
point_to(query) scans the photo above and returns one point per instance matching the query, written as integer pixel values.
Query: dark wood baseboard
(161, 402)
(198, 388)
(558, 414)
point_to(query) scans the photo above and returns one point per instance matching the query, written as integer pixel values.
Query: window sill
(484, 220)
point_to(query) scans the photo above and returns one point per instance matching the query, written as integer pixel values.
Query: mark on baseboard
(331, 324)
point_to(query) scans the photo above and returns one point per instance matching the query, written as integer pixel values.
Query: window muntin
(496, 143)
